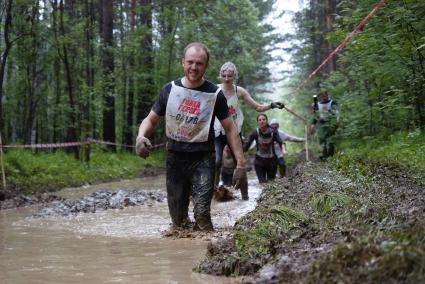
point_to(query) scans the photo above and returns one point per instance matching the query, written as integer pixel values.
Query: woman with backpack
(265, 162)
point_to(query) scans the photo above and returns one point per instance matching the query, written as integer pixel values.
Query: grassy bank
(406, 149)
(358, 218)
(29, 172)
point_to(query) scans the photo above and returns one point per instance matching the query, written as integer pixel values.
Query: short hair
(198, 45)
(229, 66)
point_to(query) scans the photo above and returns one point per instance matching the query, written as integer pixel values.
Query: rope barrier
(60, 145)
(71, 144)
(341, 45)
(329, 57)
(305, 130)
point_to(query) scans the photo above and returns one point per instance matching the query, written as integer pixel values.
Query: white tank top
(234, 111)
(324, 109)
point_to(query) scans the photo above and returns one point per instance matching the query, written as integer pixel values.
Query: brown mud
(14, 197)
(342, 221)
(329, 222)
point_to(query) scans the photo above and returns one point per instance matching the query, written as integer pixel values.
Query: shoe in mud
(202, 224)
(187, 224)
(184, 225)
(222, 193)
(244, 192)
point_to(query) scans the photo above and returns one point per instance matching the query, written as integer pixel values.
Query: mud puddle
(109, 246)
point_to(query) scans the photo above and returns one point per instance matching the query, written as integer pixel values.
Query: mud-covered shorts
(190, 174)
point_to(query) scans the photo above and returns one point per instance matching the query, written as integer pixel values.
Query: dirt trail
(335, 222)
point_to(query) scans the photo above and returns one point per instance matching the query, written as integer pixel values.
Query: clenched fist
(142, 146)
(240, 181)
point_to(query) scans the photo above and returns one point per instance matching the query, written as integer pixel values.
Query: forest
(78, 77)
(72, 70)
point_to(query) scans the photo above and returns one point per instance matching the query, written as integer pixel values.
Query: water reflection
(123, 246)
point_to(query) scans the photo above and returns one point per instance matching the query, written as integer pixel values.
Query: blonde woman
(234, 94)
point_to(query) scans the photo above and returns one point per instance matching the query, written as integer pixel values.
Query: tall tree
(146, 90)
(5, 52)
(128, 105)
(90, 72)
(108, 71)
(66, 11)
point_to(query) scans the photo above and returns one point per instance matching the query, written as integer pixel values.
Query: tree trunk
(330, 17)
(30, 129)
(71, 131)
(89, 50)
(3, 59)
(108, 73)
(147, 94)
(57, 78)
(128, 103)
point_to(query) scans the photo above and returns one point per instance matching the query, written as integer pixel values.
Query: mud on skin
(337, 222)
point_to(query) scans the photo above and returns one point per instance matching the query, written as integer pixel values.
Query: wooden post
(306, 140)
(2, 164)
(305, 130)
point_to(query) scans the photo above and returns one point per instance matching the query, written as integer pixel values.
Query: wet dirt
(364, 224)
(14, 198)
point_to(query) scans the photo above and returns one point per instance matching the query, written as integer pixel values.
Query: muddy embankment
(333, 222)
(15, 197)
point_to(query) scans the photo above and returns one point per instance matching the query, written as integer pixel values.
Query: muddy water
(112, 246)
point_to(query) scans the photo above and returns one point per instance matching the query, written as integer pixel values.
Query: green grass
(404, 148)
(50, 171)
(327, 202)
(270, 225)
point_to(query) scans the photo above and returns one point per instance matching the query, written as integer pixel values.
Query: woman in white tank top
(234, 94)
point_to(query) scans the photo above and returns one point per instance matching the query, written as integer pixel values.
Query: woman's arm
(250, 140)
(244, 95)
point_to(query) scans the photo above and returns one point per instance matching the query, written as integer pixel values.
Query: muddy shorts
(219, 143)
(265, 168)
(190, 174)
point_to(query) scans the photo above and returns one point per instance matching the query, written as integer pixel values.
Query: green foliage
(327, 202)
(404, 148)
(52, 171)
(379, 79)
(270, 225)
(44, 96)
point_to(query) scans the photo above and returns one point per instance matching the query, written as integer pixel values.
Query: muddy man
(190, 105)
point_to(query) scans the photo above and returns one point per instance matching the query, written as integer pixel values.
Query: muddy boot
(244, 191)
(217, 176)
(187, 223)
(282, 171)
(244, 194)
(203, 224)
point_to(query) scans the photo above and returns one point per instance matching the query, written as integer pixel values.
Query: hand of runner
(142, 146)
(278, 105)
(240, 179)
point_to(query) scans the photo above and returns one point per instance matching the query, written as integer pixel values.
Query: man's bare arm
(145, 131)
(234, 141)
